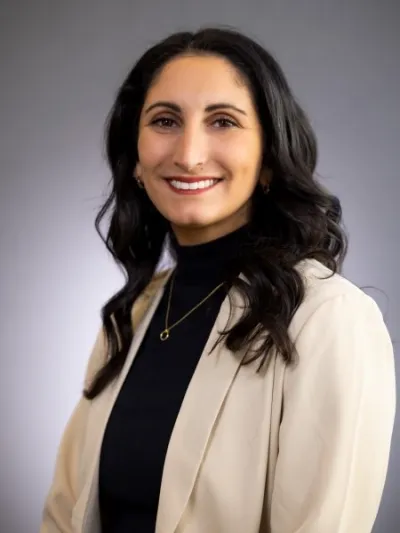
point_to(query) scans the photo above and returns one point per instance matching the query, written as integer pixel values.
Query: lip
(192, 179)
(191, 192)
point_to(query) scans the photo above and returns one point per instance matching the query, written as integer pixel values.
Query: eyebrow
(213, 107)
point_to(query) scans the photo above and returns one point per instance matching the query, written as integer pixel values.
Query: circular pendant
(164, 335)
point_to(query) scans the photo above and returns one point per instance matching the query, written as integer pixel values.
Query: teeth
(183, 185)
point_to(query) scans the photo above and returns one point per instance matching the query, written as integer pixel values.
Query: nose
(191, 149)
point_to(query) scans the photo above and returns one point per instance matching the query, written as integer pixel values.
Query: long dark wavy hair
(298, 219)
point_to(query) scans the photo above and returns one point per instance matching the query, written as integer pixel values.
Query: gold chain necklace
(164, 335)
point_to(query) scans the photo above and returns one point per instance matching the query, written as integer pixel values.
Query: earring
(265, 188)
(139, 183)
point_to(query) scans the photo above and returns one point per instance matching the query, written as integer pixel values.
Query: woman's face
(200, 147)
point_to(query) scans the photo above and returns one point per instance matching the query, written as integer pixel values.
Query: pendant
(164, 335)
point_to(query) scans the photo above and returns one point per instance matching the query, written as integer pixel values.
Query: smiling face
(200, 147)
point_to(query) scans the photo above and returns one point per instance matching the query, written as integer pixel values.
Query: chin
(190, 218)
(191, 222)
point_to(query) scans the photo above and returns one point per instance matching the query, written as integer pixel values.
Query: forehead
(199, 80)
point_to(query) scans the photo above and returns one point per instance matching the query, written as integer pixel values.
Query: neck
(210, 260)
(191, 236)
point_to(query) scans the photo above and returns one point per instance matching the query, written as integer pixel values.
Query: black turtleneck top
(143, 417)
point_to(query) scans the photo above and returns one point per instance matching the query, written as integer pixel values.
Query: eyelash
(157, 122)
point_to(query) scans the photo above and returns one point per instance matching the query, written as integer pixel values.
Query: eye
(163, 122)
(225, 122)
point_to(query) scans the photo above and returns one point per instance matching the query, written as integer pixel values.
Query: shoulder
(99, 352)
(340, 337)
(331, 299)
(321, 283)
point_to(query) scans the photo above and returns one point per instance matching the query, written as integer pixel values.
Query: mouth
(192, 185)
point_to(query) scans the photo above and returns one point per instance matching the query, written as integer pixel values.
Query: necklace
(164, 335)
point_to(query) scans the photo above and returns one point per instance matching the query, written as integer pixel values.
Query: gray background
(61, 63)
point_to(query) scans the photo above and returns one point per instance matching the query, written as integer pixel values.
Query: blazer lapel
(203, 401)
(88, 506)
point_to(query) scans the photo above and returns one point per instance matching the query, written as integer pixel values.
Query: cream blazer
(293, 449)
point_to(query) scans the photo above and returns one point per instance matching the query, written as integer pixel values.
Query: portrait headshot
(208, 279)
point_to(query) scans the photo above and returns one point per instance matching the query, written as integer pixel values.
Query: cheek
(152, 151)
(242, 159)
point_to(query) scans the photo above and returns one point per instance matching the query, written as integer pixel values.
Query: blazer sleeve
(65, 486)
(337, 421)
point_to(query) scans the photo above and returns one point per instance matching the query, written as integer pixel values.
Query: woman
(251, 388)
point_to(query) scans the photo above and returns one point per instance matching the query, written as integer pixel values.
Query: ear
(265, 177)
(138, 170)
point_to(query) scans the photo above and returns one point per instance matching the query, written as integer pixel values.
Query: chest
(221, 455)
(218, 470)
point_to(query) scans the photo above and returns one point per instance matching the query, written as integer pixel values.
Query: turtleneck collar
(208, 261)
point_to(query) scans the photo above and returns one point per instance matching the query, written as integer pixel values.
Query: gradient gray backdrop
(61, 63)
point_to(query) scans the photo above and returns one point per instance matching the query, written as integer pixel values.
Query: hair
(297, 220)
